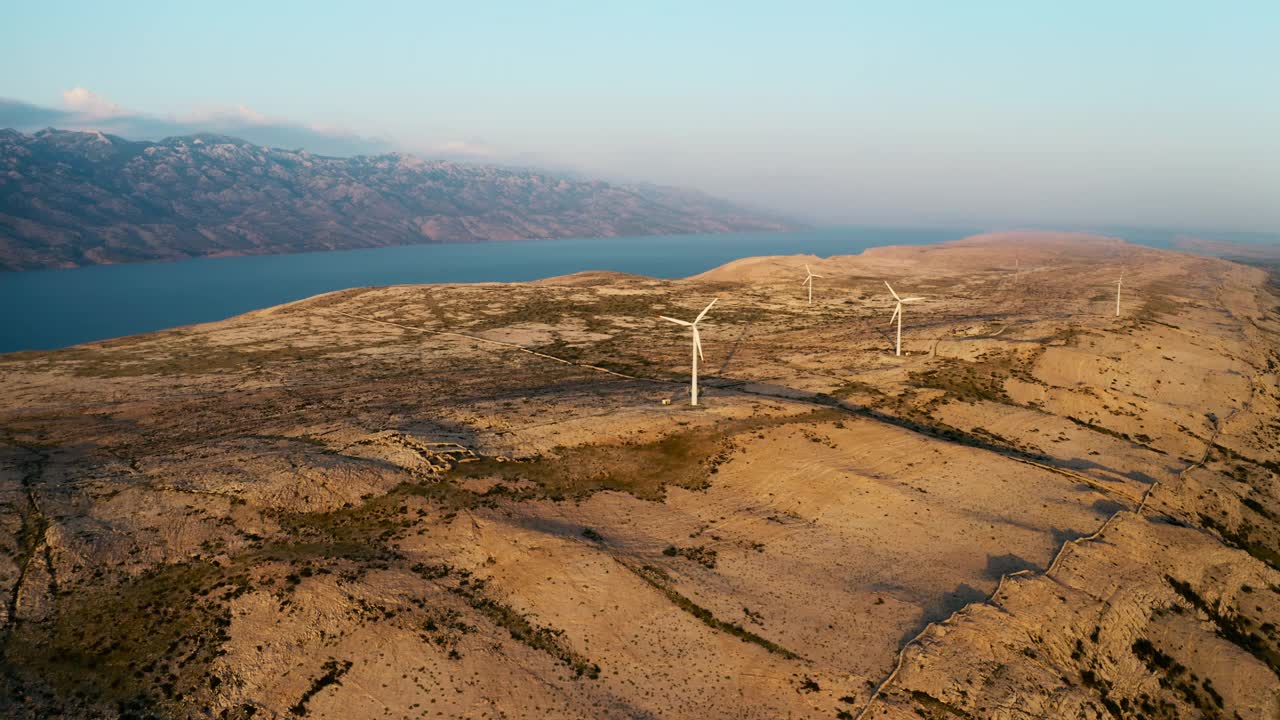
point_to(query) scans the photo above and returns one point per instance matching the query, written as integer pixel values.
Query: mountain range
(71, 198)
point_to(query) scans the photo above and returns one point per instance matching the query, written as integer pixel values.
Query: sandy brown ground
(472, 501)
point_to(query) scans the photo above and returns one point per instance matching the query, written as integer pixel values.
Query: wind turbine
(697, 347)
(809, 281)
(897, 314)
(1118, 283)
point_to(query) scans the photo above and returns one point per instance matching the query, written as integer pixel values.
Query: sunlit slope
(473, 501)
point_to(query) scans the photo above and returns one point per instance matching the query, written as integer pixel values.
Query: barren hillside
(472, 501)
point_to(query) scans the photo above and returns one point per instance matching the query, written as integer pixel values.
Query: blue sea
(54, 308)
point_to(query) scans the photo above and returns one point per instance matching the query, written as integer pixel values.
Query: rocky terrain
(493, 501)
(85, 198)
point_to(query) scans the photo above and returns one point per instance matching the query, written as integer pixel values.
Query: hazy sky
(1085, 113)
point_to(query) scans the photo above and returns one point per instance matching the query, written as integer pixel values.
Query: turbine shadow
(733, 351)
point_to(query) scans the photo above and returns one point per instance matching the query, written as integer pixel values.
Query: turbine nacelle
(697, 346)
(1119, 282)
(808, 281)
(897, 314)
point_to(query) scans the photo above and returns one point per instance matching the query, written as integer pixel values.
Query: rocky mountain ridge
(85, 198)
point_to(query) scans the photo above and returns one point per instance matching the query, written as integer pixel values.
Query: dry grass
(684, 459)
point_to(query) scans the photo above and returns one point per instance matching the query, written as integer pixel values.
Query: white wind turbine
(697, 347)
(1118, 283)
(897, 314)
(809, 281)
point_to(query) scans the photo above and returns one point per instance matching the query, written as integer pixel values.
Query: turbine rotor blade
(896, 310)
(697, 344)
(705, 311)
(891, 292)
(911, 299)
(678, 322)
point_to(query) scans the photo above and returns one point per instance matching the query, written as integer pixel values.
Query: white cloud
(90, 104)
(87, 110)
(84, 109)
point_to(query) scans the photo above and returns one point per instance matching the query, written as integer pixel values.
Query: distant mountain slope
(84, 198)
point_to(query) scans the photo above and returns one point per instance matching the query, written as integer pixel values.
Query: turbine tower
(697, 347)
(897, 314)
(1118, 283)
(809, 281)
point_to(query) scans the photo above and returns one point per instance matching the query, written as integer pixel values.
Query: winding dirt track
(1062, 551)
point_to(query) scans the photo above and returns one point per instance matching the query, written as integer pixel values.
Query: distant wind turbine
(897, 314)
(697, 347)
(809, 281)
(1118, 283)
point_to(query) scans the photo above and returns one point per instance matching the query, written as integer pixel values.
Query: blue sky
(995, 113)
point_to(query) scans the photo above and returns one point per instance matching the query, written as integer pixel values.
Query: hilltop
(472, 500)
(84, 198)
